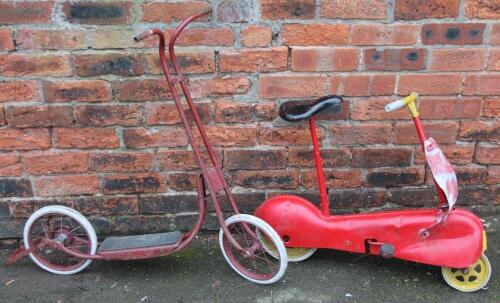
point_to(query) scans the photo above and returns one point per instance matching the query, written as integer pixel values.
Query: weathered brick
(420, 9)
(42, 163)
(77, 90)
(450, 108)
(10, 165)
(24, 139)
(190, 62)
(13, 65)
(355, 198)
(456, 154)
(172, 11)
(66, 185)
(235, 10)
(108, 205)
(373, 109)
(292, 86)
(200, 36)
(256, 36)
(3, 121)
(292, 135)
(267, 179)
(324, 59)
(114, 38)
(442, 132)
(181, 159)
(183, 181)
(453, 33)
(494, 60)
(50, 39)
(12, 91)
(482, 84)
(99, 64)
(315, 34)
(141, 90)
(474, 195)
(495, 34)
(86, 12)
(149, 204)
(104, 115)
(15, 188)
(292, 9)
(39, 116)
(154, 137)
(491, 108)
(430, 84)
(229, 111)
(220, 86)
(6, 40)
(86, 137)
(121, 162)
(479, 131)
(166, 113)
(394, 59)
(141, 224)
(366, 133)
(134, 183)
(381, 34)
(254, 159)
(23, 208)
(334, 178)
(414, 196)
(381, 157)
(391, 177)
(357, 9)
(493, 174)
(482, 9)
(300, 157)
(254, 60)
(25, 12)
(230, 135)
(466, 175)
(458, 59)
(266, 111)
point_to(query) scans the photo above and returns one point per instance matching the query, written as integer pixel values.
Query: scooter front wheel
(295, 254)
(253, 263)
(471, 278)
(68, 227)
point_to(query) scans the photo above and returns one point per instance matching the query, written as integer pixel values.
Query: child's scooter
(446, 236)
(62, 241)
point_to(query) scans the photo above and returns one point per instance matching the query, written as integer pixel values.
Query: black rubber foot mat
(140, 241)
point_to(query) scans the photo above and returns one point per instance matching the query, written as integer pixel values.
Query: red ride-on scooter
(62, 241)
(449, 237)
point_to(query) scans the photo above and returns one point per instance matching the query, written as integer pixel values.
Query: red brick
(430, 84)
(168, 12)
(292, 9)
(121, 162)
(381, 34)
(266, 111)
(457, 59)
(229, 111)
(390, 177)
(99, 64)
(450, 108)
(292, 86)
(487, 153)
(134, 183)
(181, 159)
(200, 36)
(11, 91)
(13, 65)
(482, 9)
(43, 163)
(456, 154)
(373, 109)
(86, 138)
(491, 108)
(104, 115)
(24, 139)
(254, 159)
(6, 40)
(493, 174)
(453, 33)
(357, 85)
(220, 86)
(380, 157)
(420, 9)
(357, 9)
(362, 85)
(86, 12)
(254, 60)
(230, 135)
(337, 178)
(39, 116)
(183, 181)
(235, 11)
(442, 132)
(479, 131)
(267, 179)
(495, 34)
(50, 39)
(382, 85)
(494, 60)
(190, 62)
(315, 34)
(78, 90)
(167, 114)
(293, 135)
(114, 38)
(10, 165)
(141, 90)
(154, 137)
(256, 36)
(366, 133)
(324, 59)
(3, 121)
(66, 185)
(394, 59)
(482, 84)
(301, 157)
(25, 12)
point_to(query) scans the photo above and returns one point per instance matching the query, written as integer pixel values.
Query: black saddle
(294, 111)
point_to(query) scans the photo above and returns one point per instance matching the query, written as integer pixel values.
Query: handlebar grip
(394, 105)
(143, 35)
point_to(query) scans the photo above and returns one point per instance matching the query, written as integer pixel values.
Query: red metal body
(439, 236)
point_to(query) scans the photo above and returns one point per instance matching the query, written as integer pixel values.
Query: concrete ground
(200, 274)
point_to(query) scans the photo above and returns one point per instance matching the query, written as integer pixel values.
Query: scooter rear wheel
(471, 278)
(254, 263)
(295, 254)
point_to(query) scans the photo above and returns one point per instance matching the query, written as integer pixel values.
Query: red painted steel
(319, 168)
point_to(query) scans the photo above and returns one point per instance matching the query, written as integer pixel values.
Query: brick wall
(87, 120)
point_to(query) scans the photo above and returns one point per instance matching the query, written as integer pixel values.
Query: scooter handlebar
(143, 35)
(400, 103)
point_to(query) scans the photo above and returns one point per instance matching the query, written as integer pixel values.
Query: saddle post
(319, 168)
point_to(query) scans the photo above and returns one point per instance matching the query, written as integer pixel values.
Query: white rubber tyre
(66, 211)
(260, 224)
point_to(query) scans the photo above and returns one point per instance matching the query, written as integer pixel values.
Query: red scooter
(62, 241)
(445, 236)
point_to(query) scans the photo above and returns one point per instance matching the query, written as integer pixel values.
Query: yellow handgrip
(410, 101)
